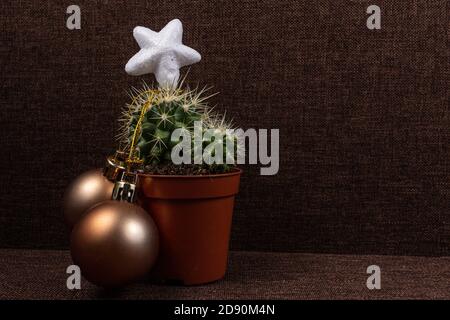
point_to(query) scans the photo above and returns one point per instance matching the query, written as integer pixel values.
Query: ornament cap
(115, 166)
(125, 188)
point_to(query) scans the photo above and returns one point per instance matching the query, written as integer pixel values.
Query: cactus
(164, 111)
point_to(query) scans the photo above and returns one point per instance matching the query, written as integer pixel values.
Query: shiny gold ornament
(115, 243)
(92, 187)
(84, 192)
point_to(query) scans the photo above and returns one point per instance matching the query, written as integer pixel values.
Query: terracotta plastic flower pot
(193, 215)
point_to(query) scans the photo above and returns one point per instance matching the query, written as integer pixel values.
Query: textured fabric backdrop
(363, 115)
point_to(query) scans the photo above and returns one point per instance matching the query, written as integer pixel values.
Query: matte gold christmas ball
(115, 243)
(84, 192)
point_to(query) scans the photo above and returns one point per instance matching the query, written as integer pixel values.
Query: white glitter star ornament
(162, 53)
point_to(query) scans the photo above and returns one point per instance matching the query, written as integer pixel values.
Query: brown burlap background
(39, 274)
(363, 115)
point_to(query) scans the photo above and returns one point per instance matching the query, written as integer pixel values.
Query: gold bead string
(133, 159)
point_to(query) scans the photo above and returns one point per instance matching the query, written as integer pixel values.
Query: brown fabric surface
(363, 115)
(40, 274)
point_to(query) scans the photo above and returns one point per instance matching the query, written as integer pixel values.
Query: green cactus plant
(162, 111)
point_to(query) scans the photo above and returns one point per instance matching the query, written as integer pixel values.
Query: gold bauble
(86, 191)
(115, 243)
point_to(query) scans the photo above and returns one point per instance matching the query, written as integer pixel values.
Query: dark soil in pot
(186, 169)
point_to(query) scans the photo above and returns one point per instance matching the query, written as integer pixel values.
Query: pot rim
(235, 171)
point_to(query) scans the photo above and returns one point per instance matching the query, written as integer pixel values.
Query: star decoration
(162, 53)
